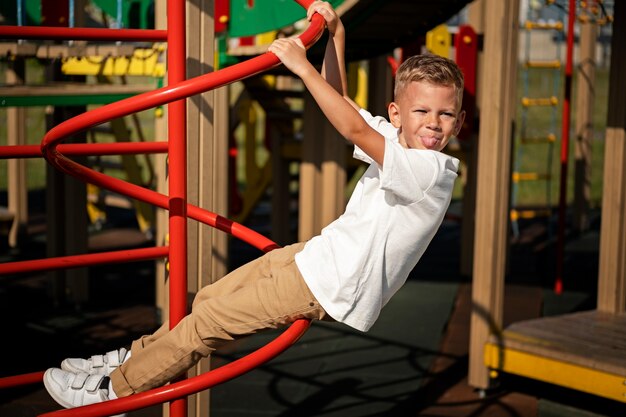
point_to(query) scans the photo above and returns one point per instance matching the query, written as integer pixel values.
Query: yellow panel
(439, 41)
(143, 62)
(556, 372)
(265, 38)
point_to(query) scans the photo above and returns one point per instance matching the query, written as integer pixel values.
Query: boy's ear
(394, 114)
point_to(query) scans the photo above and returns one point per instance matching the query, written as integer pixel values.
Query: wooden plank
(497, 112)
(590, 339)
(612, 271)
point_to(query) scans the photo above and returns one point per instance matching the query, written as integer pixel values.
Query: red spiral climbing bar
(174, 94)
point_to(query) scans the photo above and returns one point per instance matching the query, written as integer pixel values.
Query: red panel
(466, 46)
(222, 15)
(55, 13)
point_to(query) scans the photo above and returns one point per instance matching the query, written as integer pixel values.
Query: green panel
(264, 16)
(33, 12)
(61, 100)
(136, 14)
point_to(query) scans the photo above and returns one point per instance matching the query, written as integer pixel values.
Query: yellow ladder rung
(548, 101)
(544, 64)
(529, 176)
(543, 25)
(550, 138)
(529, 214)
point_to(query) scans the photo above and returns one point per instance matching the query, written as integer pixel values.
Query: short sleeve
(411, 173)
(379, 124)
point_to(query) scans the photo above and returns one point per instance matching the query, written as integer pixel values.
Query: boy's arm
(333, 66)
(341, 114)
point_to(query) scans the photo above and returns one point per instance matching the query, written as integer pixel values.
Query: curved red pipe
(51, 150)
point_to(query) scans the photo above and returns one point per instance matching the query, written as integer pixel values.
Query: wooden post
(493, 175)
(310, 188)
(322, 172)
(66, 214)
(16, 135)
(612, 270)
(207, 174)
(281, 232)
(585, 86)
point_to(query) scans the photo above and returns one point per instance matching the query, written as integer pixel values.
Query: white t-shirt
(361, 259)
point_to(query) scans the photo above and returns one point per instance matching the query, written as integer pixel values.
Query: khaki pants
(266, 293)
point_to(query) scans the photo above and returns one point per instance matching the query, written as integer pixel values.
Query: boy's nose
(432, 122)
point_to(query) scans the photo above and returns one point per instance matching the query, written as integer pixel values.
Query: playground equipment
(173, 95)
(583, 350)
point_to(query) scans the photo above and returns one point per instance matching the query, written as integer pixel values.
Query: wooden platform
(585, 351)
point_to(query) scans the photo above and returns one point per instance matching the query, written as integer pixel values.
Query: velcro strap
(97, 361)
(93, 383)
(79, 380)
(113, 358)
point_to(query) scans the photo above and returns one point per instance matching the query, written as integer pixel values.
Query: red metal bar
(86, 149)
(75, 261)
(18, 380)
(177, 136)
(51, 148)
(85, 34)
(565, 129)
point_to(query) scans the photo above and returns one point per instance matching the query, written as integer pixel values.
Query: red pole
(177, 137)
(83, 34)
(565, 128)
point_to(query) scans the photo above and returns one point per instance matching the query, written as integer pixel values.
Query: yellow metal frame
(554, 371)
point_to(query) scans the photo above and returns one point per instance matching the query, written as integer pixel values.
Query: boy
(348, 272)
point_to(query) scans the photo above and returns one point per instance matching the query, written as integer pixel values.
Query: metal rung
(543, 25)
(529, 176)
(529, 214)
(550, 138)
(549, 101)
(544, 64)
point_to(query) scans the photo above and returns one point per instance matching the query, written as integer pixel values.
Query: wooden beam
(585, 87)
(493, 176)
(310, 171)
(207, 176)
(612, 270)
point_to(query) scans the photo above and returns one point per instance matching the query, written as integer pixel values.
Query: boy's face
(427, 115)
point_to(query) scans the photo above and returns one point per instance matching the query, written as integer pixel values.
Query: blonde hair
(432, 69)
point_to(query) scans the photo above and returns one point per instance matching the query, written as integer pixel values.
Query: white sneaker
(74, 390)
(97, 364)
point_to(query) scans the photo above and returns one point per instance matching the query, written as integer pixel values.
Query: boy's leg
(231, 282)
(268, 295)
